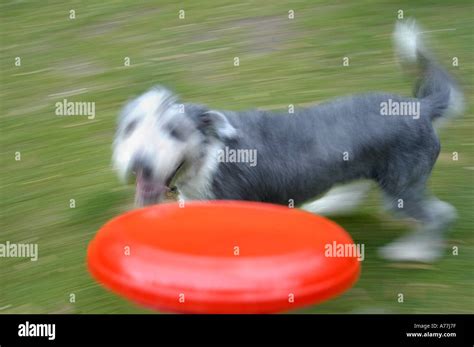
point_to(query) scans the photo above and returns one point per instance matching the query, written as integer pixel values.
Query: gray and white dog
(378, 137)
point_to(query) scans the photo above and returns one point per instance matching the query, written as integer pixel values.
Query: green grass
(282, 62)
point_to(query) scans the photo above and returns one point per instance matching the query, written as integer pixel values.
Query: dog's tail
(434, 87)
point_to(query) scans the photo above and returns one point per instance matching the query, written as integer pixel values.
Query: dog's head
(161, 142)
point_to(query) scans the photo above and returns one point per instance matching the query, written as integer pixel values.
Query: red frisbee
(222, 257)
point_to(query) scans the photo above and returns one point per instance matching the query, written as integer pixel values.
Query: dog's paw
(416, 247)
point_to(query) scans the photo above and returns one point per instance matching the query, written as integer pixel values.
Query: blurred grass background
(282, 62)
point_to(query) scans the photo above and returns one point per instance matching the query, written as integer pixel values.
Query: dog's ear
(213, 123)
(217, 123)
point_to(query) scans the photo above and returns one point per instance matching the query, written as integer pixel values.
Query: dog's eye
(130, 127)
(176, 134)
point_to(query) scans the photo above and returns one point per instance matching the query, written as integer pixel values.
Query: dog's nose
(141, 166)
(146, 172)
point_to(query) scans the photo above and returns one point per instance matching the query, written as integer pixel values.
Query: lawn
(282, 61)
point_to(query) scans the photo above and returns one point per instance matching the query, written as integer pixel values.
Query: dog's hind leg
(339, 200)
(426, 243)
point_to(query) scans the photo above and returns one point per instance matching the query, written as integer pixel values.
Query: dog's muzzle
(149, 189)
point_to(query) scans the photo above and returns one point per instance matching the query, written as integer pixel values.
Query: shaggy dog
(287, 158)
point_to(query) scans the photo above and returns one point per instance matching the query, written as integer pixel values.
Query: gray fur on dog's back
(301, 155)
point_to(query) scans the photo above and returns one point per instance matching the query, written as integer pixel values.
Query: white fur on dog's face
(157, 142)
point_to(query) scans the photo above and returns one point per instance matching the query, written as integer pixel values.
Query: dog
(335, 148)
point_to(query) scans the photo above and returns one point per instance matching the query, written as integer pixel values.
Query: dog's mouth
(172, 178)
(150, 191)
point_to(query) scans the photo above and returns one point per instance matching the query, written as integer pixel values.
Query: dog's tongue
(147, 187)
